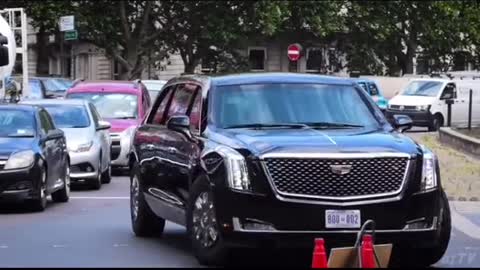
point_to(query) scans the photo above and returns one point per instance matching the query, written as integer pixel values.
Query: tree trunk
(42, 52)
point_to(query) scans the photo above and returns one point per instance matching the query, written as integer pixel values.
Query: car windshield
(68, 116)
(112, 105)
(330, 106)
(423, 88)
(56, 85)
(16, 123)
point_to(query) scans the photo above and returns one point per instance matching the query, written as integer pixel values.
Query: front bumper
(419, 118)
(84, 165)
(120, 149)
(18, 185)
(412, 220)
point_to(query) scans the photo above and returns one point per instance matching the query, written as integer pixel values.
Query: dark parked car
(279, 159)
(48, 87)
(34, 161)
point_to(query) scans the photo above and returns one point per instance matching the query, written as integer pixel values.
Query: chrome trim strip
(237, 227)
(164, 196)
(15, 191)
(283, 196)
(166, 160)
(333, 155)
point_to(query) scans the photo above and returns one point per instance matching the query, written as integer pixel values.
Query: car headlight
(237, 172)
(429, 171)
(423, 108)
(20, 160)
(82, 147)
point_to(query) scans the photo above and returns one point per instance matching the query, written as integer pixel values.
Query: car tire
(63, 194)
(145, 223)
(40, 203)
(425, 257)
(107, 175)
(436, 123)
(201, 217)
(96, 183)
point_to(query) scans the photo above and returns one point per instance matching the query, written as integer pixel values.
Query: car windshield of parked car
(423, 88)
(112, 105)
(56, 85)
(16, 123)
(331, 106)
(68, 116)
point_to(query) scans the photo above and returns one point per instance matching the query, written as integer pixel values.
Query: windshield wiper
(20, 136)
(261, 125)
(331, 125)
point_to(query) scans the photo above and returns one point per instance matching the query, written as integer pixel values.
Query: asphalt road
(93, 230)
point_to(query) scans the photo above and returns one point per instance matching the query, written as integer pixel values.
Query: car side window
(158, 112)
(373, 89)
(182, 99)
(46, 122)
(195, 112)
(96, 117)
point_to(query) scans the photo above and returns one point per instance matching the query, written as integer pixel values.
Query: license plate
(342, 219)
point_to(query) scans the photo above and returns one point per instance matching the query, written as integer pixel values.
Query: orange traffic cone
(319, 255)
(367, 253)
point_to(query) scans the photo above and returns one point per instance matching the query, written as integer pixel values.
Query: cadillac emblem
(341, 169)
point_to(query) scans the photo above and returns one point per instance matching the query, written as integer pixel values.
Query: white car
(88, 138)
(425, 101)
(154, 87)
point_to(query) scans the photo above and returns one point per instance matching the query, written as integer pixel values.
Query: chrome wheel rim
(204, 221)
(67, 180)
(135, 193)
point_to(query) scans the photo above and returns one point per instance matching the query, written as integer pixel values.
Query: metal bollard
(470, 110)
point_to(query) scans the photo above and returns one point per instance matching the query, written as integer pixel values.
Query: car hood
(77, 136)
(119, 125)
(259, 142)
(411, 100)
(10, 145)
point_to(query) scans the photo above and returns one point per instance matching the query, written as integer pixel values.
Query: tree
(395, 30)
(125, 30)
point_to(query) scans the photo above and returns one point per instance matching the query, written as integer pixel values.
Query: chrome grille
(314, 178)
(403, 108)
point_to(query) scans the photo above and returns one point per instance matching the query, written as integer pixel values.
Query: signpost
(294, 52)
(67, 32)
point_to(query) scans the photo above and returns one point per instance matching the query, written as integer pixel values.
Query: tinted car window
(46, 122)
(291, 103)
(181, 100)
(67, 116)
(16, 123)
(373, 89)
(159, 112)
(112, 105)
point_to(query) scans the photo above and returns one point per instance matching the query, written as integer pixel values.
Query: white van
(425, 101)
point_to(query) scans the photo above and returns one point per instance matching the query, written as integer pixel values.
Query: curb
(460, 141)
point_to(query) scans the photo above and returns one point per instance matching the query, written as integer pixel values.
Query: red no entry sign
(294, 52)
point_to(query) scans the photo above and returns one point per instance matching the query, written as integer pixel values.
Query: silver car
(88, 138)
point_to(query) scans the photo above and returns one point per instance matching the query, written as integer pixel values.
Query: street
(93, 230)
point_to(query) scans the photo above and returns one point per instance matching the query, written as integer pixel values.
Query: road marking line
(464, 225)
(3, 246)
(120, 245)
(100, 198)
(59, 246)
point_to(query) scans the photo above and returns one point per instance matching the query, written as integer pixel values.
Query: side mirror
(402, 123)
(103, 125)
(179, 123)
(4, 58)
(448, 93)
(55, 134)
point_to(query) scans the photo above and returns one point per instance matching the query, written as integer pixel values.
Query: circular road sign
(294, 52)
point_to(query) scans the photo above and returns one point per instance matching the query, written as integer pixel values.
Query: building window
(257, 57)
(314, 60)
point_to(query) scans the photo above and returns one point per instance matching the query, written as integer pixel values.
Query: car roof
(127, 87)
(44, 78)
(360, 80)
(155, 81)
(20, 107)
(280, 77)
(73, 102)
